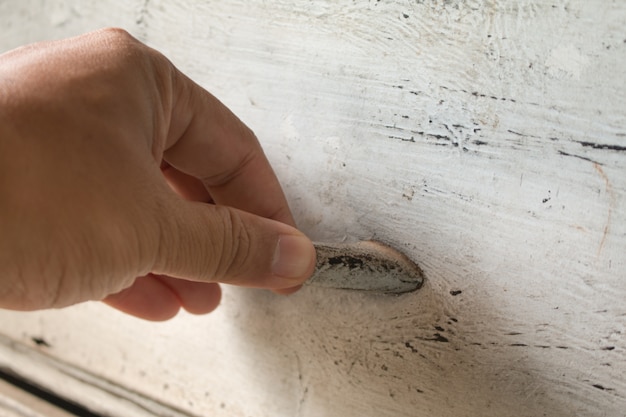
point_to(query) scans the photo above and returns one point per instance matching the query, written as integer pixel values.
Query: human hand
(109, 158)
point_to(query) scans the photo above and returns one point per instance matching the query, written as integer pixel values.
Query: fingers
(188, 187)
(202, 242)
(159, 298)
(195, 297)
(207, 141)
(287, 291)
(147, 298)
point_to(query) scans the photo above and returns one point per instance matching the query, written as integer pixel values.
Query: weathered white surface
(90, 391)
(487, 139)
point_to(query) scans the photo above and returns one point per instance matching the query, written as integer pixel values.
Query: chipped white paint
(487, 139)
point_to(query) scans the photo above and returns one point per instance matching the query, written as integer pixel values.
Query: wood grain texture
(486, 139)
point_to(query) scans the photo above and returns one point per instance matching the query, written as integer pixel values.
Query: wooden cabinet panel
(487, 139)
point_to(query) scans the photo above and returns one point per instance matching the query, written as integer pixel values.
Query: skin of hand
(122, 180)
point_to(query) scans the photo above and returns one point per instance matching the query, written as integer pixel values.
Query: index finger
(207, 141)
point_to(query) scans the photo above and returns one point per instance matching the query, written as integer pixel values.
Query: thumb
(203, 242)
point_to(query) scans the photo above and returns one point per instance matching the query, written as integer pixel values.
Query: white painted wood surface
(487, 139)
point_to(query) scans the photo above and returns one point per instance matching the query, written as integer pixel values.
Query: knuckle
(115, 36)
(234, 247)
(116, 46)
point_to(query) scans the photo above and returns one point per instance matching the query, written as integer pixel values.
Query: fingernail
(293, 257)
